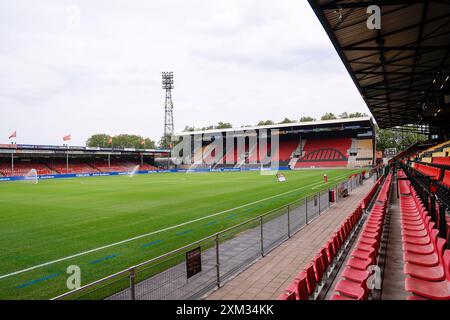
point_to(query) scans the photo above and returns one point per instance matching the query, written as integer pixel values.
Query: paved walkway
(267, 278)
(394, 278)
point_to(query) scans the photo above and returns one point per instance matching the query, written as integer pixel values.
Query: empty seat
(437, 290)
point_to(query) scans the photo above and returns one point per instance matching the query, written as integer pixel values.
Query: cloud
(234, 60)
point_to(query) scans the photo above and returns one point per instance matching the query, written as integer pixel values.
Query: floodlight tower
(167, 83)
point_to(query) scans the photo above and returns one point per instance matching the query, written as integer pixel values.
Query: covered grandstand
(398, 248)
(332, 143)
(18, 160)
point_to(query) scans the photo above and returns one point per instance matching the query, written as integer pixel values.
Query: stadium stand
(287, 148)
(115, 166)
(23, 168)
(364, 153)
(325, 152)
(446, 179)
(59, 166)
(75, 166)
(426, 262)
(365, 252)
(308, 283)
(441, 147)
(442, 160)
(433, 172)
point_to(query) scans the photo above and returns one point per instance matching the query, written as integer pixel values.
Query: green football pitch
(106, 224)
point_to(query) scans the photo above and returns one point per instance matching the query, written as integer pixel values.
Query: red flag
(110, 140)
(13, 135)
(67, 138)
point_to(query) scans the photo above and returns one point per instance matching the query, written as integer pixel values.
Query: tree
(307, 119)
(98, 140)
(346, 115)
(286, 120)
(120, 141)
(223, 125)
(388, 138)
(328, 116)
(207, 128)
(188, 129)
(165, 142)
(357, 115)
(265, 123)
(220, 125)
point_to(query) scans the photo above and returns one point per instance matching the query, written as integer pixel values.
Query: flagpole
(109, 154)
(11, 137)
(67, 157)
(142, 154)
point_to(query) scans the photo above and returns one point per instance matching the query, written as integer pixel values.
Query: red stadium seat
(439, 290)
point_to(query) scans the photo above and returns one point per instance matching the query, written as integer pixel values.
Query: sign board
(390, 152)
(193, 262)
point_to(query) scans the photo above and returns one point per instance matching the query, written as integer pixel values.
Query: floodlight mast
(167, 83)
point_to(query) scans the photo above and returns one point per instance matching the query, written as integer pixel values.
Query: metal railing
(223, 254)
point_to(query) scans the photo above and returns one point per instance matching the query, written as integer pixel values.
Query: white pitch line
(152, 233)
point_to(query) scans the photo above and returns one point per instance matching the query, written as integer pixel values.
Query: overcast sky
(238, 61)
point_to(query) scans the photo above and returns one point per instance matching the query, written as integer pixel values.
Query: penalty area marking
(156, 232)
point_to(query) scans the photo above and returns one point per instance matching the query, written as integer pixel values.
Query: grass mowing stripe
(157, 231)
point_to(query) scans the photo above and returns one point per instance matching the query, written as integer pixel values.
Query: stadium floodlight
(167, 80)
(167, 83)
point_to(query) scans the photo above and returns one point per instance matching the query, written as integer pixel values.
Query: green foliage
(220, 125)
(120, 141)
(188, 129)
(165, 142)
(286, 120)
(223, 125)
(346, 115)
(98, 140)
(265, 123)
(307, 119)
(328, 116)
(387, 138)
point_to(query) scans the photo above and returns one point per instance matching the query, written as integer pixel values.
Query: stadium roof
(367, 121)
(54, 149)
(402, 70)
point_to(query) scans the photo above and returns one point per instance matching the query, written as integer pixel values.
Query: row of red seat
(353, 285)
(425, 261)
(23, 168)
(368, 198)
(446, 179)
(442, 160)
(60, 167)
(308, 282)
(433, 172)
